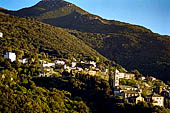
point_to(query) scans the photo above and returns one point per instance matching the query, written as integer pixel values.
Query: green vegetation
(146, 52)
(20, 94)
(132, 46)
(146, 85)
(140, 108)
(17, 98)
(96, 93)
(29, 36)
(22, 90)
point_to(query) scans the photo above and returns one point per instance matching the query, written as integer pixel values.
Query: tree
(137, 74)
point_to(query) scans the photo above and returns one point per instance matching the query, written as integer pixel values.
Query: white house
(59, 62)
(93, 63)
(124, 75)
(10, 56)
(73, 64)
(143, 78)
(23, 60)
(118, 74)
(82, 62)
(1, 34)
(49, 65)
(121, 75)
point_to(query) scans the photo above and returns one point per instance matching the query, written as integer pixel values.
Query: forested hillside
(29, 38)
(149, 53)
(20, 94)
(132, 46)
(28, 35)
(22, 88)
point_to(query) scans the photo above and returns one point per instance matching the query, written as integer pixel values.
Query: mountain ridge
(132, 46)
(69, 11)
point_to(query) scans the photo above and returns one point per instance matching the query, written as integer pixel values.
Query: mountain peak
(52, 4)
(52, 0)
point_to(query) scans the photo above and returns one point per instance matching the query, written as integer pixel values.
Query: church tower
(116, 79)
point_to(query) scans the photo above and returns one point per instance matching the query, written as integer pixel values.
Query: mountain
(30, 35)
(132, 46)
(149, 53)
(66, 15)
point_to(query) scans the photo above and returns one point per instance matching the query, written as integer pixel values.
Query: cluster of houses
(132, 94)
(88, 67)
(12, 56)
(160, 96)
(165, 92)
(75, 67)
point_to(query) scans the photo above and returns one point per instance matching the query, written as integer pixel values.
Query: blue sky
(153, 14)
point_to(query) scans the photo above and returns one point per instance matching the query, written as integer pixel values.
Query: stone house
(155, 99)
(127, 91)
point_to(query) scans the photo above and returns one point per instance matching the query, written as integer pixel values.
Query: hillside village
(42, 66)
(159, 95)
(125, 86)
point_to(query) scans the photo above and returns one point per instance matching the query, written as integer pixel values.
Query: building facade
(10, 56)
(1, 34)
(155, 99)
(116, 79)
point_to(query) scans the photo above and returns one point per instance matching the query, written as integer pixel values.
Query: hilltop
(132, 46)
(67, 15)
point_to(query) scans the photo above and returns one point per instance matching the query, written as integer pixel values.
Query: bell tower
(116, 79)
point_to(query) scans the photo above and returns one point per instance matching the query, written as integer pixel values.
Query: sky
(152, 14)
